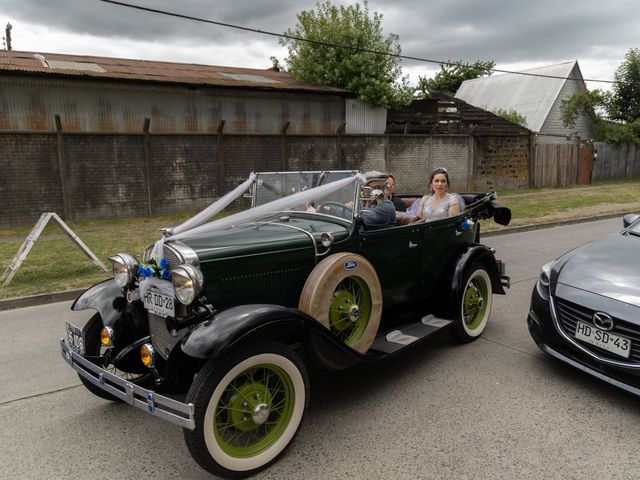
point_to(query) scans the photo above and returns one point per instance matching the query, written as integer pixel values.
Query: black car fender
(474, 254)
(225, 329)
(127, 319)
(106, 298)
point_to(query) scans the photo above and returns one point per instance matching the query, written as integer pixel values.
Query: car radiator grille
(161, 339)
(569, 314)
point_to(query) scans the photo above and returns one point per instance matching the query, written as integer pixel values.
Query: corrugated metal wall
(30, 104)
(362, 118)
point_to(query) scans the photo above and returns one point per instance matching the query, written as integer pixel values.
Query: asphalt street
(497, 408)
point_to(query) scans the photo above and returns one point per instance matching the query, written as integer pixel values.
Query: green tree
(625, 95)
(512, 115)
(376, 78)
(451, 76)
(615, 114)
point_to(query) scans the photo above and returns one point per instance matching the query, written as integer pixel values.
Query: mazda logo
(603, 321)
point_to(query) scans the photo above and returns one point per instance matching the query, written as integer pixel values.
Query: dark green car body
(273, 284)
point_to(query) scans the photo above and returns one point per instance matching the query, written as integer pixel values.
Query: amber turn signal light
(147, 355)
(106, 337)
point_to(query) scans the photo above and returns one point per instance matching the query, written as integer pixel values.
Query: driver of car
(380, 214)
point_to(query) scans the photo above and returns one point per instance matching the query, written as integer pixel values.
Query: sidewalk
(45, 298)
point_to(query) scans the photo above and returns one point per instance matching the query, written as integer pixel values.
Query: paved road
(494, 409)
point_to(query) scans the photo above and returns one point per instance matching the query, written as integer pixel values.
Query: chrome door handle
(412, 245)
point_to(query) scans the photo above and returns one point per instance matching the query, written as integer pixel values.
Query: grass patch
(56, 264)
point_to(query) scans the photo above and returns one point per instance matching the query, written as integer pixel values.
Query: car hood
(609, 267)
(278, 234)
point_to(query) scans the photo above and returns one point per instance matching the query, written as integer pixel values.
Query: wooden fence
(616, 161)
(555, 165)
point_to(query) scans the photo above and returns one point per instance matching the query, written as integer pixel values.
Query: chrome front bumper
(173, 411)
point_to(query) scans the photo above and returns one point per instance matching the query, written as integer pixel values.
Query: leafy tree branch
(375, 78)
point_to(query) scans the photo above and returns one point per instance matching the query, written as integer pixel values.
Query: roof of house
(154, 71)
(531, 96)
(443, 114)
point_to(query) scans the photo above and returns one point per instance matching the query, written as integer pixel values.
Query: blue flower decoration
(155, 269)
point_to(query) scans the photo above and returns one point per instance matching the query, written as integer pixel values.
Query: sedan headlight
(545, 274)
(124, 269)
(544, 280)
(187, 282)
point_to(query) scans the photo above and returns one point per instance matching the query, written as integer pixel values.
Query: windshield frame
(270, 186)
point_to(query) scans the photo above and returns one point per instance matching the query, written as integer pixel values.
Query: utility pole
(7, 37)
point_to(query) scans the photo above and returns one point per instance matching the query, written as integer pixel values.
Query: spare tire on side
(343, 293)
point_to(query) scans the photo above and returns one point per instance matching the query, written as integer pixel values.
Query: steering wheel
(342, 210)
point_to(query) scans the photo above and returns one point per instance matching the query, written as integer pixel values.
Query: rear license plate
(607, 341)
(159, 303)
(75, 338)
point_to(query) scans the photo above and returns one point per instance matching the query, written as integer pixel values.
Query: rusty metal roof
(153, 71)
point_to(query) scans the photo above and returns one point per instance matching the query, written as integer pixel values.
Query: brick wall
(502, 162)
(174, 163)
(106, 176)
(413, 158)
(29, 178)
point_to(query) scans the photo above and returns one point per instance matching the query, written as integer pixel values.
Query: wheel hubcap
(261, 414)
(350, 309)
(474, 302)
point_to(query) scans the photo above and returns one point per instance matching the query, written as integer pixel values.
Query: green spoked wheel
(350, 310)
(474, 305)
(248, 408)
(343, 293)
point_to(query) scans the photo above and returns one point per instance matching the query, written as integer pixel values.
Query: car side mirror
(501, 215)
(629, 218)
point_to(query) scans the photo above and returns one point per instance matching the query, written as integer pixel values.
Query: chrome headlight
(187, 282)
(124, 269)
(543, 282)
(545, 274)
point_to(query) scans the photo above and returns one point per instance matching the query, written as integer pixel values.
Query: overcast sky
(517, 35)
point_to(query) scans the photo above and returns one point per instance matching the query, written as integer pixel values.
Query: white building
(537, 97)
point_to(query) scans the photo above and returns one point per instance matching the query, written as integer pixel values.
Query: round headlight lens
(187, 282)
(124, 269)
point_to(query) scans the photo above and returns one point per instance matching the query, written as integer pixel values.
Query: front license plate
(159, 303)
(605, 340)
(75, 338)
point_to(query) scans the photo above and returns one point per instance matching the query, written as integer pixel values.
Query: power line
(335, 45)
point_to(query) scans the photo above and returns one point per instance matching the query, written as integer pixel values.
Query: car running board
(397, 339)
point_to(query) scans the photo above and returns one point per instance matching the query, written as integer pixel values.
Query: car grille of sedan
(569, 314)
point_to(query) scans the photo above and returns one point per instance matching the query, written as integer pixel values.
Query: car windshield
(277, 185)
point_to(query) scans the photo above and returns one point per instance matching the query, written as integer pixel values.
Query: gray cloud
(505, 31)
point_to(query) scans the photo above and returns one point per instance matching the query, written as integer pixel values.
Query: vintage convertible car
(206, 330)
(585, 308)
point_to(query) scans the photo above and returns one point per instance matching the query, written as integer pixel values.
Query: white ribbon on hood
(194, 227)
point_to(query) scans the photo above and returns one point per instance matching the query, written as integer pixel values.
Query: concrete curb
(42, 299)
(559, 223)
(30, 301)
